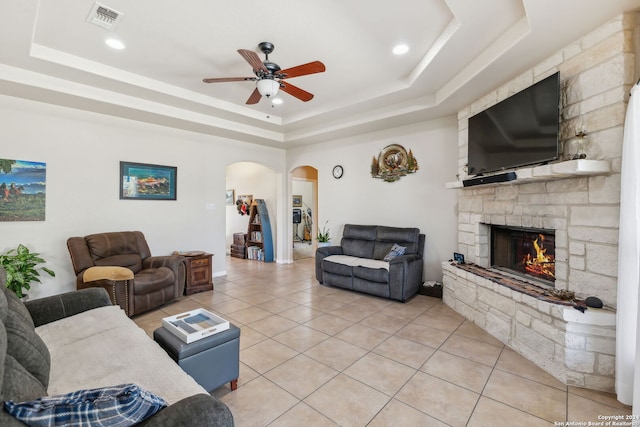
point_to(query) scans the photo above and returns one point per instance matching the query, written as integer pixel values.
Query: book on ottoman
(195, 324)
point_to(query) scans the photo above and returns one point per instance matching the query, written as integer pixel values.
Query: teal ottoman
(211, 361)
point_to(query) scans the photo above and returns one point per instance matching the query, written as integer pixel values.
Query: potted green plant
(21, 267)
(323, 236)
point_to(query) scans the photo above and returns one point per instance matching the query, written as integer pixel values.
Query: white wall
(82, 151)
(417, 200)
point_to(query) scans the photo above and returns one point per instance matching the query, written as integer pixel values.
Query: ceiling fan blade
(228, 79)
(253, 59)
(292, 90)
(254, 97)
(303, 70)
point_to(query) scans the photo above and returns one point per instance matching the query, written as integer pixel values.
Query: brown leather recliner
(156, 279)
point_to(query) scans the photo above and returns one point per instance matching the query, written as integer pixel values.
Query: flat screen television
(518, 131)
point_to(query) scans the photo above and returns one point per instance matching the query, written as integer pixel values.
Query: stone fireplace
(548, 225)
(559, 219)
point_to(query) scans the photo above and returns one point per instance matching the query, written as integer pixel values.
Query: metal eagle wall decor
(393, 163)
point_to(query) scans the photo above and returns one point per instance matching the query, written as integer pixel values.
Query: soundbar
(489, 179)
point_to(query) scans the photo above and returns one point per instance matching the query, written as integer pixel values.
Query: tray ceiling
(459, 51)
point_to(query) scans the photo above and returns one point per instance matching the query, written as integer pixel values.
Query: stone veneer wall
(596, 73)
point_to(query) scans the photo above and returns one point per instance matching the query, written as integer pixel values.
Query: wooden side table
(199, 277)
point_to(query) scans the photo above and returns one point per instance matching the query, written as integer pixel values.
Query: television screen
(521, 130)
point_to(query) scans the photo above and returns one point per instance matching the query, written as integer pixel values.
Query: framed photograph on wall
(142, 181)
(297, 201)
(230, 197)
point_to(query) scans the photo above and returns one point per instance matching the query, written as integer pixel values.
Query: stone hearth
(575, 347)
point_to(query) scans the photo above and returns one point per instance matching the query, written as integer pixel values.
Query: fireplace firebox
(526, 252)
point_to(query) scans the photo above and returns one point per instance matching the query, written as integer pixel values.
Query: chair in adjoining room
(121, 262)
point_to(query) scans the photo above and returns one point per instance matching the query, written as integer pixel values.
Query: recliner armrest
(56, 307)
(405, 276)
(330, 250)
(177, 264)
(200, 410)
(321, 254)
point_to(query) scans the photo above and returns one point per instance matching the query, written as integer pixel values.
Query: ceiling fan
(270, 77)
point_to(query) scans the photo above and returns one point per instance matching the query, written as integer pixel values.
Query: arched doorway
(304, 186)
(249, 179)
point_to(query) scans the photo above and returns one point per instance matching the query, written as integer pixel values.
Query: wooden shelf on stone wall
(551, 172)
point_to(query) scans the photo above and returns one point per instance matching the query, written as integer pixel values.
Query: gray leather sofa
(30, 368)
(358, 263)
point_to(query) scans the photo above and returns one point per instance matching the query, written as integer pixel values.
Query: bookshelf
(259, 240)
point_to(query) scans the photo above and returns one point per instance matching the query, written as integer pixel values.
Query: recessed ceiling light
(115, 43)
(400, 49)
(276, 101)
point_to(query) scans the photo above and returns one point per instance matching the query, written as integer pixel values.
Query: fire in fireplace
(524, 251)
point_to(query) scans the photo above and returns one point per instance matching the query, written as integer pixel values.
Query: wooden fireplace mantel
(552, 172)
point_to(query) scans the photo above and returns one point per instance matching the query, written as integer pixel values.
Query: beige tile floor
(312, 355)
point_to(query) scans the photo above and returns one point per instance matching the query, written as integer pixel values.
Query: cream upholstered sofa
(79, 340)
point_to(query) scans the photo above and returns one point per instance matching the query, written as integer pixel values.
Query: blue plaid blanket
(117, 406)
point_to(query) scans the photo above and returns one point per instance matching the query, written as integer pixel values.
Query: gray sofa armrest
(200, 410)
(405, 276)
(322, 253)
(56, 307)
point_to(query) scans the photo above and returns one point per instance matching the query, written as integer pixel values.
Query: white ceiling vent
(104, 16)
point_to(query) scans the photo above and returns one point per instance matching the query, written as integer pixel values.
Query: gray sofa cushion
(358, 240)
(379, 275)
(359, 232)
(388, 236)
(26, 361)
(337, 268)
(395, 234)
(357, 248)
(22, 341)
(370, 241)
(339, 280)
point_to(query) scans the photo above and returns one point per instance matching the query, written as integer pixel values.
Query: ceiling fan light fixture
(268, 87)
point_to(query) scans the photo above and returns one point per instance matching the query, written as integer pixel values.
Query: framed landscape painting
(142, 181)
(22, 190)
